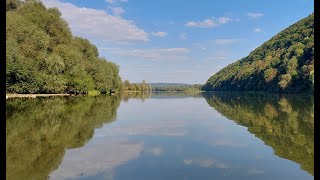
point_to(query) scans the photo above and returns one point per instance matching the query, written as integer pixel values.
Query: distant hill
(155, 85)
(285, 63)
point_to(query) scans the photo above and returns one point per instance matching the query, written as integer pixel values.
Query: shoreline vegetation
(44, 57)
(11, 95)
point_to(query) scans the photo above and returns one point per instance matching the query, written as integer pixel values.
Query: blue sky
(183, 41)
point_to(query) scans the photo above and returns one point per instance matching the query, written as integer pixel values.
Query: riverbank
(33, 95)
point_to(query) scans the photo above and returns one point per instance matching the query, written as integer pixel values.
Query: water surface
(161, 136)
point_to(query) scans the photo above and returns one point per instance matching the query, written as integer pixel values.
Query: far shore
(33, 95)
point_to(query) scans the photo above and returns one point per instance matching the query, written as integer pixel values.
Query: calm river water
(161, 136)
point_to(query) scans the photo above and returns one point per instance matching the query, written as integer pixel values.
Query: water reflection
(136, 95)
(286, 123)
(161, 136)
(40, 130)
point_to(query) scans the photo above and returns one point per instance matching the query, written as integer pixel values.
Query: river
(161, 136)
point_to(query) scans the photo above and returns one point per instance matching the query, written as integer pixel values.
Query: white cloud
(223, 20)
(152, 54)
(203, 24)
(254, 15)
(117, 11)
(257, 30)
(159, 34)
(97, 24)
(90, 161)
(227, 41)
(115, 1)
(206, 163)
(183, 36)
(210, 22)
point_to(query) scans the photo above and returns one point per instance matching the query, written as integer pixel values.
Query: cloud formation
(98, 24)
(257, 30)
(206, 163)
(253, 15)
(117, 11)
(227, 41)
(210, 22)
(115, 1)
(92, 160)
(159, 34)
(152, 54)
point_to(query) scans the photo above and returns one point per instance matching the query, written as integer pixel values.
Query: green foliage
(284, 80)
(286, 123)
(193, 88)
(270, 74)
(141, 95)
(93, 93)
(282, 64)
(12, 4)
(42, 56)
(144, 87)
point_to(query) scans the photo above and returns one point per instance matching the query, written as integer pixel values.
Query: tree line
(127, 86)
(194, 87)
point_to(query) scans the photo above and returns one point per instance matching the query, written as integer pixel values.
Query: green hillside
(285, 63)
(42, 55)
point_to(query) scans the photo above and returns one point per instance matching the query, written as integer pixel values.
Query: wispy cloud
(163, 54)
(254, 15)
(159, 34)
(227, 41)
(115, 1)
(163, 128)
(184, 71)
(117, 11)
(210, 22)
(257, 30)
(206, 163)
(98, 24)
(183, 36)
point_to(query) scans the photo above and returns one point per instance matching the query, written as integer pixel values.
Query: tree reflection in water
(284, 122)
(39, 131)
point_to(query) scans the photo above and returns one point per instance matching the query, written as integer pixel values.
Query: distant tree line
(285, 63)
(195, 87)
(127, 86)
(42, 55)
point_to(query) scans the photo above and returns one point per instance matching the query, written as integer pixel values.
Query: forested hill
(285, 63)
(42, 55)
